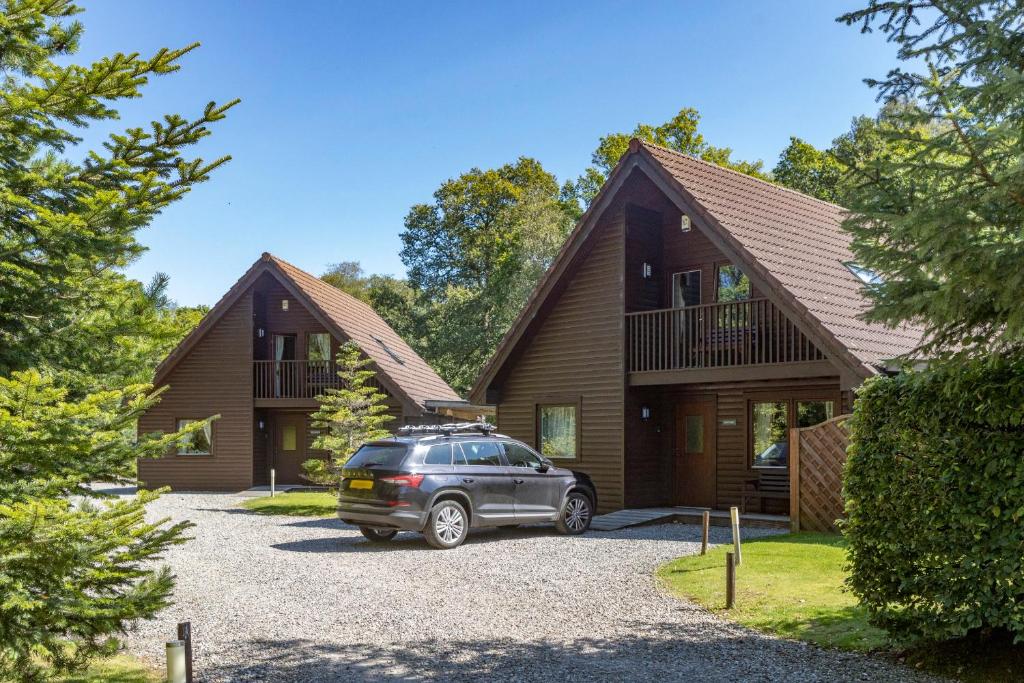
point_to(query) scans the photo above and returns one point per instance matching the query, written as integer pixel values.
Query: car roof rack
(448, 429)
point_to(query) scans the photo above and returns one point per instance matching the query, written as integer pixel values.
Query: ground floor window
(196, 443)
(770, 422)
(557, 430)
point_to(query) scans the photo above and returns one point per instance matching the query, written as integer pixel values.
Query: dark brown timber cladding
(576, 356)
(215, 377)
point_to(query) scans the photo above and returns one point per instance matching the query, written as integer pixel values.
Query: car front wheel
(448, 526)
(377, 535)
(576, 514)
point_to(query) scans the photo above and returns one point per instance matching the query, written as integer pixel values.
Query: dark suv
(442, 480)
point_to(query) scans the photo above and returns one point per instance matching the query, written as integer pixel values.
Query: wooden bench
(769, 483)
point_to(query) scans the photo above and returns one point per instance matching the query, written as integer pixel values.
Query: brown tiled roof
(798, 240)
(351, 318)
(359, 322)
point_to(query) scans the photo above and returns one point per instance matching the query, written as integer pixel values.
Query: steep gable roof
(403, 370)
(794, 242)
(799, 241)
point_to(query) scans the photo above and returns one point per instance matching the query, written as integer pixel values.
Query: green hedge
(934, 492)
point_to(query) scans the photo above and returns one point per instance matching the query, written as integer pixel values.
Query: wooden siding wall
(214, 378)
(576, 354)
(650, 452)
(296, 320)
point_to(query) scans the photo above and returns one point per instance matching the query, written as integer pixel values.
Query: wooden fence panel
(817, 456)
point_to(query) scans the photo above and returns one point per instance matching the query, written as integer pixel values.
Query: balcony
(718, 342)
(277, 382)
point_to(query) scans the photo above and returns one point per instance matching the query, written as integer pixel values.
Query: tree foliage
(75, 336)
(349, 416)
(939, 215)
(679, 133)
(473, 257)
(934, 489)
(805, 168)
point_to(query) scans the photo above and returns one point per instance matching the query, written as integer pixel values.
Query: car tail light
(412, 480)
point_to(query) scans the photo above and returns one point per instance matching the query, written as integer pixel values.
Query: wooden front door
(289, 447)
(695, 453)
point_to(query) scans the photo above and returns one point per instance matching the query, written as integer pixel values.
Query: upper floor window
(733, 284)
(196, 443)
(318, 346)
(686, 289)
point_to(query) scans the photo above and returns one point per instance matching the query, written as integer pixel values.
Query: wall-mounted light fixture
(260, 425)
(645, 413)
(646, 270)
(284, 304)
(684, 223)
(260, 332)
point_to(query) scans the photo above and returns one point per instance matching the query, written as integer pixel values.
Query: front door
(289, 447)
(695, 453)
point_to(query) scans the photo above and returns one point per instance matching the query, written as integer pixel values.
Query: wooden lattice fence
(816, 458)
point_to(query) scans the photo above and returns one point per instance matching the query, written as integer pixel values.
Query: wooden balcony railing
(293, 378)
(738, 333)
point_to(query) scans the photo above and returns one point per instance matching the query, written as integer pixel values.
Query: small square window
(196, 443)
(284, 304)
(733, 284)
(558, 431)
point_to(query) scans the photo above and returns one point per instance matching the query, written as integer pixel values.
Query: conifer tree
(75, 568)
(349, 416)
(941, 221)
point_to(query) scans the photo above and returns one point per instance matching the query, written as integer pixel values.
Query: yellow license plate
(361, 484)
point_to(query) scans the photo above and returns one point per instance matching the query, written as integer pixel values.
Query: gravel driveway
(292, 598)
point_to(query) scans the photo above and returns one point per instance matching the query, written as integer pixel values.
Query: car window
(482, 453)
(374, 455)
(521, 456)
(439, 454)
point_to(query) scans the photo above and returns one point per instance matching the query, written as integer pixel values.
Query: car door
(537, 494)
(484, 475)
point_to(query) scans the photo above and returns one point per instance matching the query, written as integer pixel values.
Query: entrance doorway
(695, 453)
(289, 447)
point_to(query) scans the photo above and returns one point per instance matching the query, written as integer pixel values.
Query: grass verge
(299, 504)
(790, 585)
(119, 669)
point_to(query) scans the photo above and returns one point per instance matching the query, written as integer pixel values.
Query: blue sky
(353, 112)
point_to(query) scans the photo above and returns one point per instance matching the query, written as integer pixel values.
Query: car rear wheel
(448, 526)
(377, 535)
(576, 514)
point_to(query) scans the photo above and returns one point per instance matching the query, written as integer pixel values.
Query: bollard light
(175, 661)
(272, 473)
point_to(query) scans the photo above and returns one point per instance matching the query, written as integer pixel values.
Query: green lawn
(119, 669)
(791, 585)
(300, 504)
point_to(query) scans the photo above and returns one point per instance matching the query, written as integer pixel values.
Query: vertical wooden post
(704, 533)
(185, 635)
(730, 581)
(734, 517)
(794, 480)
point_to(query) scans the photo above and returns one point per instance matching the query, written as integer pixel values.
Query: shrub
(934, 491)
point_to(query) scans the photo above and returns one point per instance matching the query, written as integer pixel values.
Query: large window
(770, 423)
(557, 431)
(196, 443)
(318, 346)
(733, 284)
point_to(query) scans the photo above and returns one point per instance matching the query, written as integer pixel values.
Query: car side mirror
(543, 467)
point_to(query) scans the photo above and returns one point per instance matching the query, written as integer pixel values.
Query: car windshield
(379, 455)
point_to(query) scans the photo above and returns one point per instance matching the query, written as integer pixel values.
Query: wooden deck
(621, 519)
